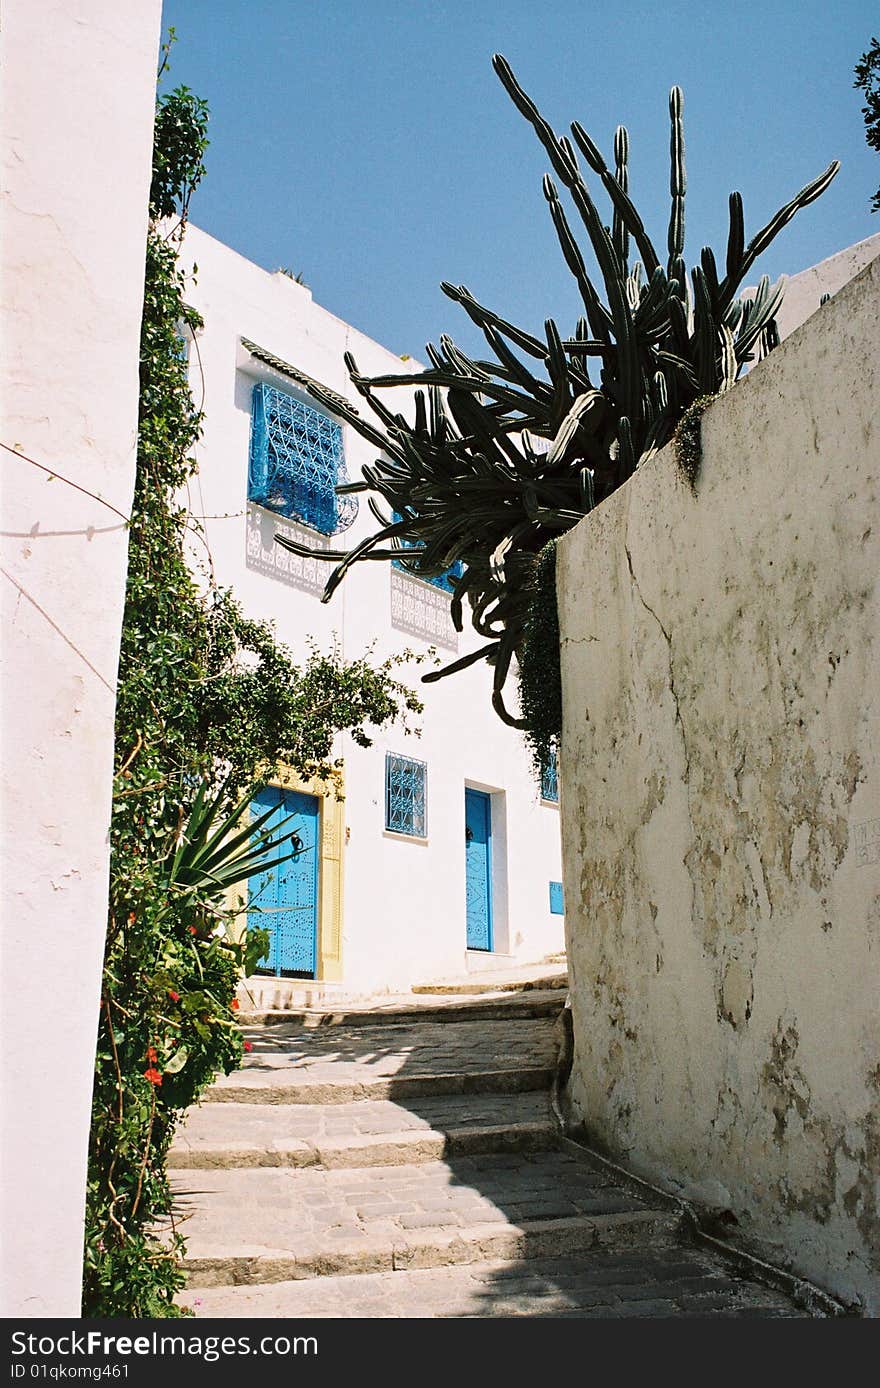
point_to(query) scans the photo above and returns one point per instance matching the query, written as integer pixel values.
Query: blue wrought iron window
(296, 461)
(405, 796)
(445, 580)
(557, 903)
(550, 778)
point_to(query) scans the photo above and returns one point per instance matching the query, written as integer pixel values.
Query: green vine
(540, 677)
(208, 705)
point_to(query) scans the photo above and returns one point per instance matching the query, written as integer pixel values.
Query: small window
(296, 461)
(405, 796)
(557, 907)
(550, 778)
(446, 580)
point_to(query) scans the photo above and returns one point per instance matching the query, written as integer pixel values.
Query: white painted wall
(404, 901)
(721, 807)
(77, 114)
(804, 291)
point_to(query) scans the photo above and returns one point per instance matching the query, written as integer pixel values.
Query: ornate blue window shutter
(445, 580)
(405, 796)
(550, 778)
(296, 461)
(258, 470)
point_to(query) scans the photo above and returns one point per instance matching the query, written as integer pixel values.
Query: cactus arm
(735, 238)
(479, 315)
(762, 239)
(597, 315)
(619, 197)
(677, 183)
(619, 232)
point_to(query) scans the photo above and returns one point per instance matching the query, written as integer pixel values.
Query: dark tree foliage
(867, 72)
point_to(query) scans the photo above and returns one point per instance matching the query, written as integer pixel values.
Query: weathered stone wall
(721, 807)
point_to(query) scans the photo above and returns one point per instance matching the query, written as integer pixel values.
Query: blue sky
(370, 146)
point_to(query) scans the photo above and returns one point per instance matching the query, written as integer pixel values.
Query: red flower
(235, 1004)
(248, 1046)
(131, 917)
(175, 997)
(153, 1076)
(152, 1057)
(192, 930)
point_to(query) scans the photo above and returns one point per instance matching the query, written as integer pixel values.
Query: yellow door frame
(331, 838)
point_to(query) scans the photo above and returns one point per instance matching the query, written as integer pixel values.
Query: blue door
(287, 896)
(478, 868)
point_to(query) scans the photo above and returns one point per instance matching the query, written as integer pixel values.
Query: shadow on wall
(263, 556)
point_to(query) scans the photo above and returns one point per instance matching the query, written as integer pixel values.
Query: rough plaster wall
(721, 807)
(78, 96)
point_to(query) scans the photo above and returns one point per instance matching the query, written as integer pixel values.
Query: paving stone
(370, 1132)
(489, 1289)
(345, 1064)
(431, 1007)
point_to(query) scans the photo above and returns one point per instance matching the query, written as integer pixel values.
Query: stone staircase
(403, 1161)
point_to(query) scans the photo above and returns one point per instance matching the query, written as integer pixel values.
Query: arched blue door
(478, 868)
(286, 897)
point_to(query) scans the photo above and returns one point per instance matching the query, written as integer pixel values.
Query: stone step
(661, 1282)
(552, 977)
(251, 1087)
(451, 1007)
(367, 1133)
(291, 1065)
(270, 1225)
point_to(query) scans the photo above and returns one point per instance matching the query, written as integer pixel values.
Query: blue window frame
(445, 580)
(405, 796)
(550, 778)
(296, 461)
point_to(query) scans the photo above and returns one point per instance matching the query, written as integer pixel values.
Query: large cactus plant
(504, 454)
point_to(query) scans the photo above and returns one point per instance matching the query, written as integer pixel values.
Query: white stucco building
(444, 855)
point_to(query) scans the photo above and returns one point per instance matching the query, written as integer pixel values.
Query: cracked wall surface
(721, 807)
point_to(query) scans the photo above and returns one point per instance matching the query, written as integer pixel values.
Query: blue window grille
(550, 778)
(445, 580)
(405, 788)
(296, 462)
(557, 906)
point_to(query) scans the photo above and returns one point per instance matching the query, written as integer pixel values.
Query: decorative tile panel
(421, 610)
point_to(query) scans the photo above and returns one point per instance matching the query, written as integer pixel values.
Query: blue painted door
(287, 895)
(478, 868)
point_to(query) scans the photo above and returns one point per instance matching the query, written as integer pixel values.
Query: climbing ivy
(539, 674)
(208, 705)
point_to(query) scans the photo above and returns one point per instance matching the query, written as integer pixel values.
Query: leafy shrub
(208, 705)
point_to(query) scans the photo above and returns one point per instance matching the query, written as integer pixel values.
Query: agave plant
(215, 851)
(505, 454)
